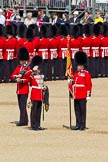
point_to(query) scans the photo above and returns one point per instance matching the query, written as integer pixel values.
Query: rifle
(22, 72)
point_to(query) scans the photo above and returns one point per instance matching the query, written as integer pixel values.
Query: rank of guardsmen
(50, 42)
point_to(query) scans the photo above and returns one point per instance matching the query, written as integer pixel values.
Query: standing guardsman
(75, 42)
(36, 39)
(2, 43)
(62, 51)
(82, 86)
(9, 52)
(43, 49)
(104, 51)
(95, 50)
(37, 82)
(86, 42)
(28, 44)
(22, 85)
(21, 36)
(53, 53)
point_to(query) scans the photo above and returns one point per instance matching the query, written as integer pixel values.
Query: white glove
(88, 98)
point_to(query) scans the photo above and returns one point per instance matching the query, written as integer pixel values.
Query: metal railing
(36, 3)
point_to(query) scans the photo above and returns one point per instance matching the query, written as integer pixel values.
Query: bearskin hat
(36, 60)
(21, 30)
(53, 31)
(43, 31)
(10, 30)
(68, 27)
(105, 30)
(80, 58)
(58, 25)
(97, 29)
(81, 29)
(75, 31)
(34, 27)
(29, 34)
(87, 30)
(63, 30)
(23, 54)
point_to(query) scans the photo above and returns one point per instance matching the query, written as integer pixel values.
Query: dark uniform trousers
(104, 66)
(55, 68)
(61, 68)
(80, 112)
(35, 115)
(45, 68)
(1, 70)
(94, 67)
(22, 102)
(9, 67)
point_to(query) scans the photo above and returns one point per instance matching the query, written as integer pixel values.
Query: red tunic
(37, 82)
(43, 48)
(82, 84)
(20, 43)
(2, 44)
(86, 45)
(62, 48)
(95, 47)
(22, 88)
(53, 48)
(29, 46)
(35, 42)
(104, 47)
(10, 49)
(75, 46)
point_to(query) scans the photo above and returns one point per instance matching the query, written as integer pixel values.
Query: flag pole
(69, 75)
(70, 112)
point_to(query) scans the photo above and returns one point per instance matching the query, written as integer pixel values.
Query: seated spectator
(55, 18)
(106, 17)
(8, 14)
(17, 22)
(2, 18)
(87, 19)
(64, 18)
(75, 18)
(45, 17)
(98, 18)
(39, 19)
(14, 14)
(29, 20)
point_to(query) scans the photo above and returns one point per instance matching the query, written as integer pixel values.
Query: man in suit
(75, 18)
(55, 18)
(45, 17)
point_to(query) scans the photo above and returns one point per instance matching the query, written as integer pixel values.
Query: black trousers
(61, 68)
(1, 70)
(35, 115)
(80, 112)
(45, 68)
(104, 63)
(94, 67)
(106, 66)
(22, 102)
(9, 67)
(53, 68)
